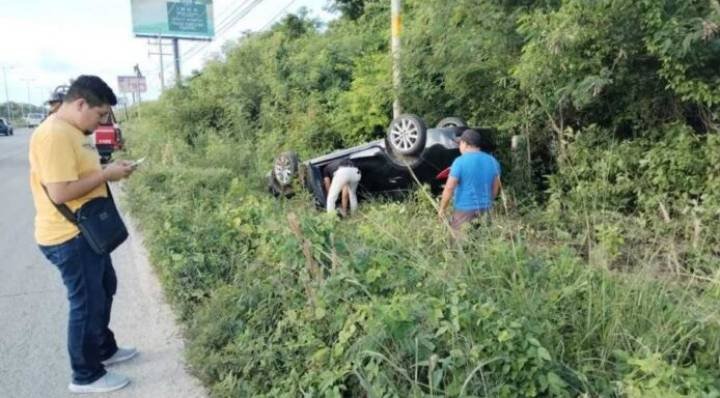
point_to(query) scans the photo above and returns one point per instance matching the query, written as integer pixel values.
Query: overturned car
(409, 154)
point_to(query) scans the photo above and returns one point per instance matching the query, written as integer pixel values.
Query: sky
(44, 43)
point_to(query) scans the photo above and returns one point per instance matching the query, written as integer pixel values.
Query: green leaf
(543, 354)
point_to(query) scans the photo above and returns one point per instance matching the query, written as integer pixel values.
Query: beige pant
(461, 217)
(345, 175)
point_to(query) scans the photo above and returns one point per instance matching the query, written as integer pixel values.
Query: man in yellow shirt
(65, 168)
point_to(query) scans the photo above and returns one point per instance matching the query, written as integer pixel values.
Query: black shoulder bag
(99, 221)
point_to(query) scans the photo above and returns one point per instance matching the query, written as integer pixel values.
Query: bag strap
(65, 210)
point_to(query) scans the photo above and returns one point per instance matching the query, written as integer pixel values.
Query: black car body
(5, 127)
(385, 170)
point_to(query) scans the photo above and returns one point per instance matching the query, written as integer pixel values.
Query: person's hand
(441, 216)
(118, 170)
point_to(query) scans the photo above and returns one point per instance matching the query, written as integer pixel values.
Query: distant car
(5, 127)
(108, 138)
(34, 119)
(409, 154)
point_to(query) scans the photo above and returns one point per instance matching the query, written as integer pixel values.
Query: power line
(225, 16)
(278, 15)
(269, 23)
(222, 30)
(223, 27)
(237, 11)
(232, 18)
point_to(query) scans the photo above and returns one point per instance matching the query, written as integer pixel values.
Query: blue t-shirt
(475, 172)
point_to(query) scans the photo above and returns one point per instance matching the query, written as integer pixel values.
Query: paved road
(33, 308)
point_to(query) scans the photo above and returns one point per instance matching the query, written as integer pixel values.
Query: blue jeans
(91, 283)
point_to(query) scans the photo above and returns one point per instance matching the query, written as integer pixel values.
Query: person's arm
(326, 181)
(63, 192)
(447, 195)
(497, 185)
(345, 198)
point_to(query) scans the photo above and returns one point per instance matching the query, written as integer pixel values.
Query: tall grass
(401, 309)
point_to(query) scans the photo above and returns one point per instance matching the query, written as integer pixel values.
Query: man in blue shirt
(474, 181)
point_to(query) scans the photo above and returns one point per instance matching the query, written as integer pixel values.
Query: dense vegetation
(599, 275)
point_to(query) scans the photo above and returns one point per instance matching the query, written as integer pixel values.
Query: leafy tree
(351, 9)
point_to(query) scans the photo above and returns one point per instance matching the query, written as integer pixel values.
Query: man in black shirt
(341, 175)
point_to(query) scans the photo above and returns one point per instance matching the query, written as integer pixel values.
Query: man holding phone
(137, 163)
(65, 168)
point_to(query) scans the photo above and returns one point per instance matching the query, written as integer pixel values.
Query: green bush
(602, 282)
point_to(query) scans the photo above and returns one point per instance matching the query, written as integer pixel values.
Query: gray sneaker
(109, 382)
(122, 355)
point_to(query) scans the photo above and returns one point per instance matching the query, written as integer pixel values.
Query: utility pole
(28, 81)
(8, 109)
(396, 28)
(161, 53)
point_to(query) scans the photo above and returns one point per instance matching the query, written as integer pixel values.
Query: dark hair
(479, 137)
(471, 137)
(487, 142)
(92, 89)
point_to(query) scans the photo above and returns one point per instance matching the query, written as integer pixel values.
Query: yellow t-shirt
(59, 152)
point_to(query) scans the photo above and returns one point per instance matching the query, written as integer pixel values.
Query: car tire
(406, 135)
(285, 168)
(275, 189)
(451, 121)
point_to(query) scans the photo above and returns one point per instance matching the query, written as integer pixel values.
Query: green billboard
(186, 19)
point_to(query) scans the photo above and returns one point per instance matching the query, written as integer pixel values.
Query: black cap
(472, 138)
(58, 95)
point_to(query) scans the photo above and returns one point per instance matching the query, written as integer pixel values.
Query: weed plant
(598, 276)
(281, 300)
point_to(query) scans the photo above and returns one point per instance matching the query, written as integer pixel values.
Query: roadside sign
(183, 19)
(132, 84)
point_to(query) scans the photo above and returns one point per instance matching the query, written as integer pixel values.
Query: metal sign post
(176, 54)
(173, 19)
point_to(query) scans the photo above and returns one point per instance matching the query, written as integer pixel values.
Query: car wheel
(451, 122)
(285, 168)
(275, 189)
(278, 191)
(406, 135)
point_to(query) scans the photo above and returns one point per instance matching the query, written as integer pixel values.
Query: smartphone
(137, 163)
